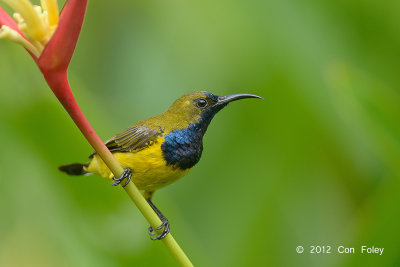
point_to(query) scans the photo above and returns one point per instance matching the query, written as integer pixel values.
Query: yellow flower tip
(38, 23)
(18, 18)
(26, 9)
(51, 7)
(6, 33)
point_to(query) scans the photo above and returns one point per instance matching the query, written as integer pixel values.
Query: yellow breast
(149, 169)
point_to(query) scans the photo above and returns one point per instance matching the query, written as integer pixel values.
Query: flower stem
(58, 82)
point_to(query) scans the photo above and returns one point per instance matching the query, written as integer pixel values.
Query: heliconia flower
(49, 37)
(51, 41)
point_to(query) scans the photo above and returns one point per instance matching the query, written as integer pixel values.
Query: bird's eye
(201, 103)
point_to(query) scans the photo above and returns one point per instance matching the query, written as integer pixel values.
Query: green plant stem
(154, 221)
(58, 82)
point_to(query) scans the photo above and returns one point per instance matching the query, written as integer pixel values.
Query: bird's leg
(127, 174)
(164, 221)
(164, 224)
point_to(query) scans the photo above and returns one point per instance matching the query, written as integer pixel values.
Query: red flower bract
(58, 52)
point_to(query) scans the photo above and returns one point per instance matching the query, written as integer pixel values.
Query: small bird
(159, 150)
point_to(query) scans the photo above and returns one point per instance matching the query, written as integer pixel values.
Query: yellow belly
(149, 169)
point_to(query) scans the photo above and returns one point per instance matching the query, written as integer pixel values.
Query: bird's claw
(127, 174)
(164, 225)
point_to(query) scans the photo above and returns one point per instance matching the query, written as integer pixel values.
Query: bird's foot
(165, 230)
(127, 174)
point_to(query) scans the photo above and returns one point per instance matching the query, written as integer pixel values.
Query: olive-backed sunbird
(159, 150)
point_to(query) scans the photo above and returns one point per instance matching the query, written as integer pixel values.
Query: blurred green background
(316, 163)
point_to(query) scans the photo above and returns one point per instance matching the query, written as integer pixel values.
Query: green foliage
(315, 163)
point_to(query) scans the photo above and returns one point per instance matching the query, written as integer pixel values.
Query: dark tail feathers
(74, 168)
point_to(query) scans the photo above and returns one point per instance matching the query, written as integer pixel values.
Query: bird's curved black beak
(229, 98)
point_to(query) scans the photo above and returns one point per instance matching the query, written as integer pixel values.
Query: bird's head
(199, 108)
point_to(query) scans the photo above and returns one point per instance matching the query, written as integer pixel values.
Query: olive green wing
(133, 138)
